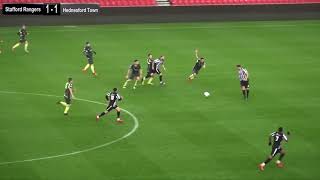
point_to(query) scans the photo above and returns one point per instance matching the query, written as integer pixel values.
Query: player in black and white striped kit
(113, 97)
(278, 137)
(157, 64)
(244, 81)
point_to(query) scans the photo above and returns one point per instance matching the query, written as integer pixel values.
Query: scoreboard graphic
(50, 9)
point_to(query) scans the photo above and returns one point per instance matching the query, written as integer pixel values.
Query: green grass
(182, 135)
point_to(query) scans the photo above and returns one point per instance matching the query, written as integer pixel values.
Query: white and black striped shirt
(277, 138)
(158, 63)
(67, 90)
(113, 97)
(243, 74)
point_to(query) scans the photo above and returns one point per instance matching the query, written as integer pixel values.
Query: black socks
(281, 156)
(102, 114)
(244, 93)
(267, 161)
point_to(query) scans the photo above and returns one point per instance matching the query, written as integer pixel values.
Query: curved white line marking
(135, 127)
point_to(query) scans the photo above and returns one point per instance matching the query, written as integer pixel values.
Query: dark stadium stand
(127, 3)
(238, 2)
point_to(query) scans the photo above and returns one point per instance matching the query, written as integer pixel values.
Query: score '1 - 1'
(55, 8)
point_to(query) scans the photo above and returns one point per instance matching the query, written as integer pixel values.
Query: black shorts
(149, 74)
(151, 71)
(67, 99)
(22, 41)
(195, 71)
(90, 59)
(275, 151)
(244, 83)
(110, 108)
(134, 75)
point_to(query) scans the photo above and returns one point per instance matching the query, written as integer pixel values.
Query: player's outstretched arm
(196, 51)
(285, 136)
(71, 92)
(269, 143)
(164, 68)
(128, 72)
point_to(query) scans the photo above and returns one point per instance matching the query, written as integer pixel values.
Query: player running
(157, 64)
(134, 73)
(199, 64)
(22, 39)
(150, 70)
(244, 81)
(112, 97)
(277, 136)
(68, 96)
(88, 52)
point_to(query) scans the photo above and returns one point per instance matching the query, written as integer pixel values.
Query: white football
(206, 94)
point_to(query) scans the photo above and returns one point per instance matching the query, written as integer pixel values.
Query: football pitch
(171, 132)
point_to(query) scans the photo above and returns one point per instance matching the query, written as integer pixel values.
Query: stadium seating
(103, 3)
(238, 2)
(126, 3)
(145, 3)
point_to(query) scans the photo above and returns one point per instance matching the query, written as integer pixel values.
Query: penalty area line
(135, 127)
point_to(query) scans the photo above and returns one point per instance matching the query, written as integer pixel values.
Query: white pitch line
(135, 119)
(120, 29)
(174, 28)
(70, 26)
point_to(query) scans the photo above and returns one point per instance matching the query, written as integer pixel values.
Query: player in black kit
(68, 96)
(150, 70)
(88, 52)
(278, 137)
(22, 39)
(112, 97)
(134, 73)
(199, 64)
